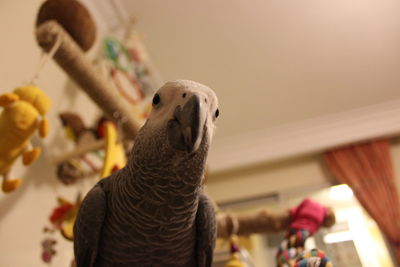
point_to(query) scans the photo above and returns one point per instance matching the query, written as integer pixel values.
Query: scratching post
(72, 60)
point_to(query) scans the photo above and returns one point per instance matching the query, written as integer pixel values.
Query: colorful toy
(309, 215)
(115, 157)
(23, 114)
(62, 219)
(314, 257)
(76, 130)
(235, 260)
(64, 215)
(48, 250)
(127, 66)
(306, 219)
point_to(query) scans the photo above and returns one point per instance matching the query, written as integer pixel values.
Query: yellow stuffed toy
(22, 114)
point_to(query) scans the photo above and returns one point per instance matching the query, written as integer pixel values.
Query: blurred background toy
(103, 161)
(306, 219)
(23, 114)
(63, 216)
(114, 158)
(48, 250)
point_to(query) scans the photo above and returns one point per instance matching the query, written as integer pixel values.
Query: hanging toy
(235, 260)
(313, 258)
(62, 219)
(239, 256)
(23, 114)
(306, 219)
(69, 171)
(115, 157)
(48, 250)
(64, 215)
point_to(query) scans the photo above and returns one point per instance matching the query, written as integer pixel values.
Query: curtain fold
(367, 169)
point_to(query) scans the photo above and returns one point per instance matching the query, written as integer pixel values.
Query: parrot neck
(162, 177)
(167, 178)
(152, 159)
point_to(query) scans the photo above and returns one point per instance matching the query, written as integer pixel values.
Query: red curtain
(367, 169)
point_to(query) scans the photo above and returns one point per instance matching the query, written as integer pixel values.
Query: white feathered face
(188, 111)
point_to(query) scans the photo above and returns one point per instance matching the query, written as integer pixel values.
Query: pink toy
(309, 216)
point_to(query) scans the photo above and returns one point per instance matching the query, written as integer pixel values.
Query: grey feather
(153, 212)
(88, 225)
(206, 227)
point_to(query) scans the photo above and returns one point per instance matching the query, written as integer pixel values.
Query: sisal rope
(72, 60)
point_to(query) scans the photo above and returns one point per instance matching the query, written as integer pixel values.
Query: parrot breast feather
(88, 226)
(206, 231)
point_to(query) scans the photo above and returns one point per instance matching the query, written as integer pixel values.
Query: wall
(290, 177)
(305, 173)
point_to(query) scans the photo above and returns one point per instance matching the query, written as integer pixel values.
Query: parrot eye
(156, 99)
(216, 113)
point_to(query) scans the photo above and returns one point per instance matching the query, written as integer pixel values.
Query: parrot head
(187, 112)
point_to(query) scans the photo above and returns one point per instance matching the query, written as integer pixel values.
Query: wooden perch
(261, 222)
(79, 151)
(72, 60)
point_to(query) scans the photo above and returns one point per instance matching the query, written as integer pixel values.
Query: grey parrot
(154, 212)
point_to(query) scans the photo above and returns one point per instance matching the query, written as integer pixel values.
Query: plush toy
(23, 114)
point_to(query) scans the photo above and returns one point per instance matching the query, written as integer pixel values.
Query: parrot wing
(206, 231)
(88, 226)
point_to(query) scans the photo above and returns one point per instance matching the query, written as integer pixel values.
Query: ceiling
(276, 62)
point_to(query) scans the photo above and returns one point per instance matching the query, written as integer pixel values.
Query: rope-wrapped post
(72, 60)
(261, 222)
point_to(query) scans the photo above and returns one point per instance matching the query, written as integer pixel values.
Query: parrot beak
(185, 130)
